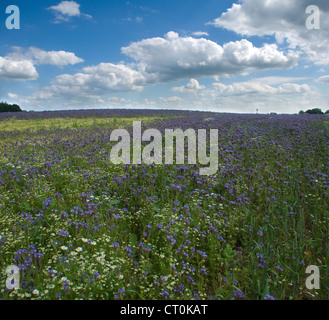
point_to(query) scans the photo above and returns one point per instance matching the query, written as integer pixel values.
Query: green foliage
(312, 111)
(5, 107)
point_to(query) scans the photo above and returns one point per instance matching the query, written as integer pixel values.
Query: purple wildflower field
(79, 227)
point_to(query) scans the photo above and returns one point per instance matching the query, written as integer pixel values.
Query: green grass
(14, 124)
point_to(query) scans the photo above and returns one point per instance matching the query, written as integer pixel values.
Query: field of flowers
(79, 227)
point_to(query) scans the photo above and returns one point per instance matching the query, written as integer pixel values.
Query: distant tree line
(314, 111)
(5, 107)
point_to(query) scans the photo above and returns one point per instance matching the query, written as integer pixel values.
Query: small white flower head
(35, 292)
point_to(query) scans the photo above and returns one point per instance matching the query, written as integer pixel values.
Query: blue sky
(223, 56)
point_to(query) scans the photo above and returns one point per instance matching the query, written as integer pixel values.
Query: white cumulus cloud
(11, 69)
(200, 33)
(95, 81)
(57, 58)
(20, 64)
(286, 20)
(258, 88)
(191, 87)
(38, 56)
(66, 10)
(173, 57)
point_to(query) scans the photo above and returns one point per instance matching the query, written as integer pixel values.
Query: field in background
(68, 123)
(78, 226)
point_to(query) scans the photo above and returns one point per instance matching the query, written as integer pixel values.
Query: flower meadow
(79, 227)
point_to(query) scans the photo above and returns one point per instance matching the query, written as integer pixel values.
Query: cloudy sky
(225, 56)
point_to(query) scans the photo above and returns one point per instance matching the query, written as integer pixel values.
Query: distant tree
(5, 107)
(301, 112)
(314, 111)
(327, 112)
